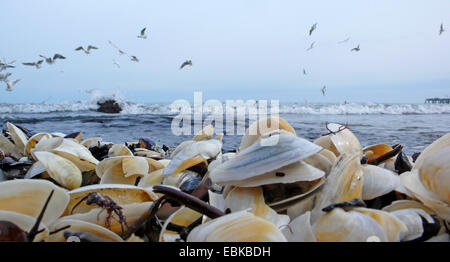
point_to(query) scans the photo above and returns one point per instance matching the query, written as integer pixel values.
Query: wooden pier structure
(437, 101)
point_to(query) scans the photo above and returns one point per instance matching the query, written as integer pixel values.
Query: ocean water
(412, 125)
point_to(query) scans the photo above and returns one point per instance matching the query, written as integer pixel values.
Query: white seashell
(91, 142)
(252, 199)
(264, 126)
(60, 169)
(76, 153)
(435, 174)
(77, 226)
(378, 181)
(9, 148)
(36, 169)
(300, 229)
(343, 141)
(33, 141)
(436, 146)
(119, 150)
(341, 226)
(18, 136)
(28, 196)
(259, 159)
(411, 217)
(241, 226)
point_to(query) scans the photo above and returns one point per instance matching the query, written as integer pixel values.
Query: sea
(412, 125)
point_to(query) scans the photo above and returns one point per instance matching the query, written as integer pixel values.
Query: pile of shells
(275, 187)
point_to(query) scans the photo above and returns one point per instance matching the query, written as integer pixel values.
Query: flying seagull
(304, 71)
(10, 84)
(88, 51)
(355, 49)
(36, 64)
(313, 27)
(311, 47)
(5, 65)
(344, 41)
(4, 77)
(142, 35)
(186, 63)
(134, 58)
(116, 63)
(121, 52)
(51, 60)
(323, 90)
(441, 30)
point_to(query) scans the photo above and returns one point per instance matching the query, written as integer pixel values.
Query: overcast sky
(240, 49)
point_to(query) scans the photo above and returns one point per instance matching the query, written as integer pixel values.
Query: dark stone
(109, 106)
(402, 163)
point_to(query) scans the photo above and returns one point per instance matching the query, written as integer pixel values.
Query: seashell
(300, 229)
(120, 194)
(252, 199)
(375, 151)
(58, 134)
(352, 226)
(99, 216)
(241, 226)
(34, 140)
(341, 141)
(46, 144)
(60, 169)
(344, 183)
(78, 226)
(25, 223)
(412, 218)
(392, 226)
(18, 136)
(146, 153)
(260, 158)
(119, 150)
(264, 126)
(192, 153)
(27, 197)
(205, 134)
(436, 146)
(9, 148)
(91, 142)
(76, 153)
(378, 182)
(320, 161)
(36, 169)
(430, 183)
(125, 169)
(154, 178)
(445, 237)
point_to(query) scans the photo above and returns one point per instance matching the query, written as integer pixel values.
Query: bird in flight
(441, 30)
(134, 58)
(51, 60)
(35, 64)
(88, 51)
(323, 90)
(4, 77)
(121, 52)
(311, 47)
(186, 63)
(5, 65)
(355, 49)
(313, 27)
(10, 84)
(142, 35)
(344, 41)
(116, 63)
(304, 71)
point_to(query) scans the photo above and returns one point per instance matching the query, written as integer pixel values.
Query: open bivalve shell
(241, 226)
(34, 140)
(18, 136)
(78, 226)
(28, 197)
(125, 169)
(120, 194)
(60, 169)
(341, 141)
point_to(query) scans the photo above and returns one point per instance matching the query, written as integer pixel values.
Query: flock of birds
(355, 49)
(4, 65)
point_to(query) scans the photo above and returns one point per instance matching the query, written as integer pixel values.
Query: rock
(109, 106)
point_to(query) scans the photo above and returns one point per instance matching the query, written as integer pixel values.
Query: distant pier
(437, 101)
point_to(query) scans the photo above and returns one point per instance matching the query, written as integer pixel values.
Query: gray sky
(239, 49)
